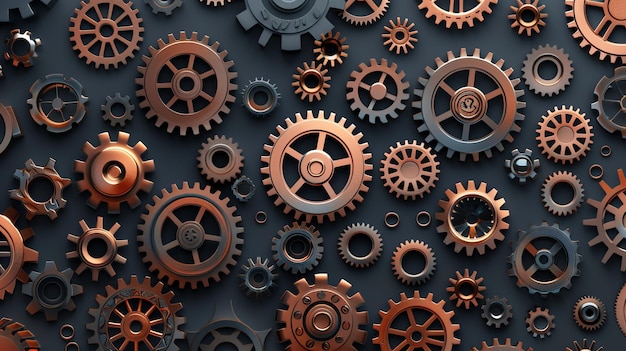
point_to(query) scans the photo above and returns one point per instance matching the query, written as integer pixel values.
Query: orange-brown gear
(400, 36)
(311, 81)
(589, 313)
(464, 282)
(12, 247)
(568, 179)
(535, 322)
(364, 12)
(497, 346)
(564, 135)
(536, 15)
(620, 309)
(459, 14)
(585, 346)
(331, 49)
(214, 148)
(410, 170)
(14, 336)
(413, 247)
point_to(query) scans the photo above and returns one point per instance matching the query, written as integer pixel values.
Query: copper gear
(114, 119)
(468, 105)
(383, 85)
(183, 106)
(355, 230)
(528, 7)
(308, 74)
(472, 218)
(620, 309)
(436, 330)
(196, 253)
(257, 277)
(506, 346)
(298, 248)
(462, 281)
(400, 36)
(114, 172)
(321, 316)
(564, 135)
(497, 312)
(585, 347)
(11, 125)
(102, 236)
(136, 303)
(533, 325)
(14, 336)
(589, 313)
(13, 252)
(522, 166)
(552, 85)
(410, 170)
(411, 278)
(562, 209)
(214, 147)
(376, 10)
(90, 36)
(316, 167)
(611, 102)
(459, 14)
(331, 49)
(26, 59)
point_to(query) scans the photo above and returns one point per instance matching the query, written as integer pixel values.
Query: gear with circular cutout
(534, 23)
(14, 335)
(13, 252)
(238, 187)
(370, 11)
(564, 135)
(11, 125)
(165, 7)
(311, 81)
(289, 239)
(410, 170)
(420, 248)
(497, 312)
(461, 281)
(115, 119)
(26, 58)
(522, 166)
(611, 102)
(331, 49)
(355, 230)
(543, 55)
(562, 209)
(497, 346)
(534, 322)
(459, 15)
(589, 313)
(214, 148)
(264, 89)
(257, 277)
(400, 36)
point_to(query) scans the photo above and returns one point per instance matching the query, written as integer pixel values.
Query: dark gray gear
(265, 88)
(22, 5)
(290, 238)
(257, 277)
(522, 166)
(611, 102)
(497, 312)
(165, 7)
(114, 119)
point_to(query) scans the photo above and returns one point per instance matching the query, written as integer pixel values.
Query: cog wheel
(11, 125)
(585, 346)
(258, 90)
(544, 259)
(620, 309)
(497, 312)
(165, 7)
(465, 123)
(238, 187)
(547, 191)
(410, 170)
(164, 93)
(117, 119)
(459, 14)
(330, 49)
(215, 2)
(528, 9)
(289, 19)
(400, 36)
(522, 166)
(321, 316)
(214, 149)
(589, 313)
(140, 304)
(553, 56)
(15, 336)
(409, 247)
(311, 81)
(354, 231)
(33, 173)
(257, 277)
(564, 135)
(535, 320)
(100, 236)
(13, 253)
(114, 172)
(611, 102)
(318, 169)
(26, 59)
(497, 346)
(472, 218)
(298, 248)
(459, 285)
(434, 325)
(364, 12)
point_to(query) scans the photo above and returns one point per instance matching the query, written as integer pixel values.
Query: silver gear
(165, 7)
(497, 312)
(522, 166)
(360, 229)
(239, 194)
(589, 313)
(291, 237)
(538, 84)
(112, 118)
(26, 59)
(23, 6)
(547, 190)
(257, 277)
(265, 88)
(611, 102)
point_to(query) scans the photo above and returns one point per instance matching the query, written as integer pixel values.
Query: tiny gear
(331, 49)
(548, 190)
(364, 12)
(585, 346)
(311, 81)
(321, 316)
(25, 58)
(114, 172)
(257, 277)
(506, 346)
(260, 96)
(298, 248)
(589, 313)
(215, 2)
(400, 36)
(165, 7)
(243, 188)
(164, 92)
(535, 322)
(14, 336)
(497, 312)
(552, 56)
(620, 309)
(23, 7)
(611, 102)
(410, 170)
(11, 125)
(354, 231)
(117, 119)
(528, 9)
(522, 166)
(413, 247)
(459, 15)
(210, 155)
(564, 135)
(458, 289)
(32, 173)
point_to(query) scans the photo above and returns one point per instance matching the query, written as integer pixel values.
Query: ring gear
(321, 316)
(13, 252)
(114, 172)
(13, 335)
(522, 9)
(373, 13)
(436, 330)
(534, 317)
(11, 125)
(468, 105)
(589, 313)
(502, 316)
(214, 147)
(314, 73)
(292, 237)
(410, 170)
(165, 7)
(136, 303)
(243, 196)
(264, 88)
(183, 107)
(317, 168)
(32, 173)
(531, 70)
(497, 346)
(355, 230)
(258, 278)
(522, 166)
(112, 118)
(331, 49)
(547, 190)
(611, 102)
(456, 15)
(400, 36)
(23, 7)
(385, 87)
(466, 280)
(18, 38)
(585, 346)
(564, 135)
(413, 246)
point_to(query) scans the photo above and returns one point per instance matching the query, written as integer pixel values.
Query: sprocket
(611, 102)
(410, 170)
(459, 15)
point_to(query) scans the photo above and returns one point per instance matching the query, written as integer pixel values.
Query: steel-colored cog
(298, 248)
(14, 336)
(356, 230)
(410, 170)
(113, 118)
(212, 150)
(13, 252)
(589, 313)
(585, 346)
(17, 38)
(569, 179)
(11, 125)
(311, 81)
(258, 277)
(552, 85)
(331, 49)
(462, 124)
(400, 36)
(243, 188)
(364, 12)
(535, 13)
(215, 2)
(459, 285)
(535, 322)
(611, 102)
(564, 135)
(165, 7)
(497, 312)
(264, 90)
(497, 346)
(522, 166)
(459, 14)
(413, 278)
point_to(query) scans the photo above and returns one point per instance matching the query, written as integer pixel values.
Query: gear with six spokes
(459, 14)
(13, 252)
(564, 135)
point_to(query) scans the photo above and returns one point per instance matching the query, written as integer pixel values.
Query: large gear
(589, 313)
(548, 190)
(547, 55)
(410, 170)
(178, 93)
(434, 325)
(316, 169)
(14, 336)
(290, 19)
(364, 12)
(298, 248)
(13, 252)
(528, 17)
(354, 231)
(466, 289)
(497, 346)
(17, 38)
(321, 316)
(564, 135)
(136, 305)
(413, 247)
(194, 248)
(459, 15)
(11, 125)
(497, 312)
(522, 166)
(611, 102)
(540, 322)
(23, 7)
(209, 155)
(461, 124)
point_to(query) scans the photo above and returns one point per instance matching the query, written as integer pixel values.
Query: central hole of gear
(360, 245)
(298, 247)
(20, 47)
(114, 171)
(496, 310)
(106, 30)
(540, 323)
(623, 103)
(316, 168)
(400, 35)
(617, 9)
(40, 189)
(528, 15)
(590, 312)
(243, 188)
(96, 248)
(562, 193)
(135, 327)
(260, 97)
(565, 134)
(118, 110)
(410, 170)
(548, 70)
(52, 290)
(416, 336)
(544, 259)
(259, 278)
(187, 84)
(472, 218)
(413, 263)
(330, 47)
(220, 159)
(466, 289)
(322, 321)
(311, 81)
(378, 91)
(522, 166)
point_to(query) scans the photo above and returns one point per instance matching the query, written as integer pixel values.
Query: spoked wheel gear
(540, 322)
(165, 7)
(564, 135)
(13, 253)
(400, 36)
(25, 39)
(585, 346)
(547, 55)
(548, 191)
(115, 119)
(360, 230)
(330, 174)
(589, 313)
(23, 7)
(190, 235)
(321, 316)
(364, 12)
(475, 117)
(186, 83)
(528, 17)
(331, 49)
(218, 148)
(522, 166)
(15, 336)
(466, 289)
(257, 277)
(459, 14)
(11, 125)
(298, 248)
(611, 102)
(136, 316)
(497, 312)
(506, 346)
(410, 170)
(425, 318)
(407, 248)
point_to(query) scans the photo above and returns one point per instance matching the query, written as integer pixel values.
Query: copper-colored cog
(535, 322)
(497, 346)
(213, 149)
(17, 57)
(353, 231)
(620, 309)
(311, 81)
(400, 36)
(11, 125)
(410, 170)
(14, 336)
(459, 14)
(547, 55)
(14, 252)
(469, 282)
(569, 207)
(564, 135)
(331, 49)
(585, 346)
(534, 11)
(589, 313)
(413, 247)
(364, 12)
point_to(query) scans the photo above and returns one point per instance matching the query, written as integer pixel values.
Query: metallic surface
(460, 16)
(589, 313)
(238, 187)
(409, 170)
(11, 126)
(258, 277)
(585, 347)
(115, 119)
(298, 247)
(331, 49)
(15, 336)
(311, 81)
(497, 312)
(400, 36)
(209, 154)
(376, 11)
(620, 309)
(12, 246)
(549, 56)
(165, 7)
(609, 104)
(506, 346)
(26, 59)
(528, 7)
(262, 88)
(564, 135)
(459, 285)
(411, 247)
(522, 166)
(356, 230)
(548, 192)
(539, 322)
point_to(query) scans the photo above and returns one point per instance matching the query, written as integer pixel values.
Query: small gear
(589, 313)
(117, 119)
(114, 172)
(17, 39)
(400, 36)
(611, 102)
(13, 252)
(459, 15)
(552, 56)
(547, 192)
(258, 277)
(298, 248)
(413, 247)
(215, 2)
(528, 16)
(331, 49)
(32, 173)
(410, 170)
(585, 346)
(564, 135)
(260, 96)
(540, 322)
(466, 282)
(14, 336)
(497, 312)
(354, 231)
(243, 188)
(364, 12)
(311, 81)
(22, 6)
(497, 346)
(165, 7)
(211, 156)
(522, 166)
(11, 125)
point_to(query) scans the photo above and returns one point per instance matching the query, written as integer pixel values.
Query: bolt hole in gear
(458, 13)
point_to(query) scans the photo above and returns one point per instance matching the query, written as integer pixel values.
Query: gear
(26, 40)
(11, 125)
(258, 278)
(311, 81)
(364, 12)
(585, 346)
(14, 336)
(564, 135)
(214, 149)
(298, 248)
(289, 19)
(432, 322)
(114, 172)
(317, 168)
(331, 49)
(472, 218)
(535, 322)
(611, 102)
(532, 10)
(136, 305)
(497, 312)
(411, 247)
(462, 124)
(545, 259)
(321, 316)
(215, 2)
(548, 189)
(165, 7)
(260, 96)
(58, 102)
(163, 83)
(103, 238)
(459, 15)
(117, 119)
(13, 252)
(589, 313)
(410, 170)
(620, 309)
(459, 285)
(551, 56)
(385, 86)
(497, 346)
(23, 7)
(238, 187)
(32, 173)
(522, 166)
(362, 230)
(400, 36)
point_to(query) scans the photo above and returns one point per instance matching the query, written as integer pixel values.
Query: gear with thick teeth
(317, 169)
(23, 7)
(117, 119)
(535, 322)
(26, 58)
(459, 15)
(564, 135)
(548, 189)
(442, 105)
(410, 247)
(497, 346)
(290, 19)
(528, 16)
(364, 12)
(463, 282)
(585, 346)
(611, 102)
(165, 7)
(522, 166)
(14, 336)
(164, 92)
(497, 312)
(14, 252)
(589, 313)
(212, 150)
(410, 170)
(264, 90)
(363, 230)
(298, 248)
(257, 277)
(551, 85)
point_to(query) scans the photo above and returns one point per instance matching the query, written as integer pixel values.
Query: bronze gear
(620, 309)
(114, 119)
(260, 87)
(611, 102)
(375, 11)
(400, 36)
(466, 280)
(571, 206)
(258, 278)
(11, 125)
(114, 172)
(90, 36)
(497, 312)
(316, 167)
(533, 322)
(331, 49)
(136, 303)
(585, 346)
(436, 330)
(410, 170)
(165, 7)
(321, 316)
(17, 58)
(468, 105)
(217, 146)
(472, 218)
(589, 313)
(298, 248)
(215, 3)
(458, 15)
(14, 252)
(533, 8)
(413, 246)
(522, 166)
(311, 81)
(547, 55)
(102, 236)
(564, 135)
(14, 336)
(497, 346)
(31, 173)
(355, 230)
(185, 107)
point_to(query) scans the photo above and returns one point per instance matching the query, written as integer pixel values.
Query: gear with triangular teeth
(589, 313)
(321, 301)
(585, 347)
(462, 281)
(534, 322)
(455, 15)
(411, 278)
(13, 252)
(298, 235)
(311, 81)
(410, 170)
(455, 117)
(611, 102)
(497, 346)
(330, 49)
(216, 147)
(14, 336)
(497, 312)
(165, 7)
(400, 36)
(161, 83)
(260, 87)
(365, 12)
(363, 230)
(564, 135)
